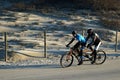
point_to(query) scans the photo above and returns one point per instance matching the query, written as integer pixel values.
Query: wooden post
(45, 50)
(5, 40)
(116, 41)
(82, 32)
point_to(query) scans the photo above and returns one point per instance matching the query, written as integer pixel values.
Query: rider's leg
(76, 47)
(94, 56)
(81, 55)
(91, 49)
(95, 52)
(73, 48)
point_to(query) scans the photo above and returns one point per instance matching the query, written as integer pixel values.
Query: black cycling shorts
(77, 45)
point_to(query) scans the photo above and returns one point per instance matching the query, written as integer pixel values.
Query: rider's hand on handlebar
(89, 45)
(67, 45)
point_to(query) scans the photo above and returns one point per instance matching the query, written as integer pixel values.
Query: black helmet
(73, 32)
(89, 31)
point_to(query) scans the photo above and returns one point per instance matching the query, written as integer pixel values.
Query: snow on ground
(51, 60)
(30, 34)
(7, 29)
(32, 62)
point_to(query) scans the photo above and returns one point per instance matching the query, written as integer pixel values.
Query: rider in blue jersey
(81, 42)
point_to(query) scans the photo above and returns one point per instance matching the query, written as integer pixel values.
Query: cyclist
(81, 42)
(96, 41)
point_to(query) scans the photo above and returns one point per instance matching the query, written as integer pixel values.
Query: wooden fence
(45, 43)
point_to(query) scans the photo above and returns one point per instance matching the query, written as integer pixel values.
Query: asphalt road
(110, 70)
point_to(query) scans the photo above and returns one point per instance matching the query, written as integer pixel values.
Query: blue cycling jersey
(80, 38)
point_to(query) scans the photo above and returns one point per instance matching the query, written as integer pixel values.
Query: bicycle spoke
(100, 57)
(66, 60)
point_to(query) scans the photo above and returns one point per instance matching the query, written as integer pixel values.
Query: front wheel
(100, 57)
(65, 62)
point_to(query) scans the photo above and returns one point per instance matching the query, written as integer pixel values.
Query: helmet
(73, 32)
(89, 31)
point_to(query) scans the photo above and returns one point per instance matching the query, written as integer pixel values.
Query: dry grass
(111, 23)
(111, 19)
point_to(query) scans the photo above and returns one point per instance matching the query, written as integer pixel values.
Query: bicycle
(65, 62)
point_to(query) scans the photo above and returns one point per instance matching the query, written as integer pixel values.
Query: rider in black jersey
(96, 41)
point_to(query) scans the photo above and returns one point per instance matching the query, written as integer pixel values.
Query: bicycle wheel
(100, 57)
(64, 62)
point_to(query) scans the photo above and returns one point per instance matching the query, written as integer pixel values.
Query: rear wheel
(100, 57)
(65, 62)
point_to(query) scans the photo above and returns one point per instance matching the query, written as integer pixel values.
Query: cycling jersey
(80, 38)
(95, 38)
(81, 41)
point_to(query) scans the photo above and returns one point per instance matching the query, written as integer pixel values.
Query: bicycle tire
(100, 57)
(64, 62)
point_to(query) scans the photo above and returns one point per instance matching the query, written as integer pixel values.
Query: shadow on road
(48, 66)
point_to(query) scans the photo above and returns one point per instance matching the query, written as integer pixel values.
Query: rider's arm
(94, 37)
(87, 38)
(71, 41)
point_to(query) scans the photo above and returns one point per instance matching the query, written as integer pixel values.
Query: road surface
(110, 70)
